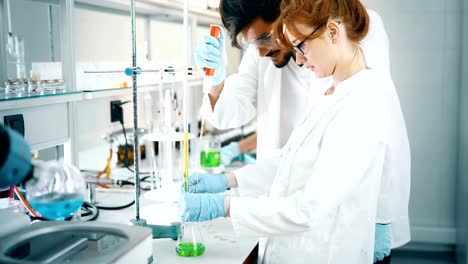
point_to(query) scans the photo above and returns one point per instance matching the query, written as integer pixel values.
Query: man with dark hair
(267, 85)
(253, 20)
(279, 93)
(237, 15)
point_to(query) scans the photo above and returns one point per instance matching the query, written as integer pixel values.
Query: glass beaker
(210, 153)
(190, 242)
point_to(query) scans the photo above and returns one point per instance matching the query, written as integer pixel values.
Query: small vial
(35, 87)
(59, 85)
(49, 86)
(14, 87)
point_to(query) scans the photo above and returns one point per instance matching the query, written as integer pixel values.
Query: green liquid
(190, 249)
(210, 159)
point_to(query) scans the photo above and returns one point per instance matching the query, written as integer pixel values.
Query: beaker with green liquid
(190, 242)
(210, 154)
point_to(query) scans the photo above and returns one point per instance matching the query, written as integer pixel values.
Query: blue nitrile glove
(211, 53)
(198, 207)
(207, 183)
(229, 152)
(383, 241)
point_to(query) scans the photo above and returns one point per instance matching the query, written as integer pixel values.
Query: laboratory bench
(221, 242)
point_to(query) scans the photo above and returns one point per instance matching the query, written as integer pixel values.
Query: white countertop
(221, 242)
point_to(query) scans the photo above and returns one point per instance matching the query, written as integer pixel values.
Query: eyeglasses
(264, 41)
(299, 47)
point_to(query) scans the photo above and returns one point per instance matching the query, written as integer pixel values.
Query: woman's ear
(334, 30)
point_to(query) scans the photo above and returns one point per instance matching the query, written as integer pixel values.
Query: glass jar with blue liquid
(56, 190)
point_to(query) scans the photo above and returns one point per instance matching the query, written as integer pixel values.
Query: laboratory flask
(190, 241)
(56, 189)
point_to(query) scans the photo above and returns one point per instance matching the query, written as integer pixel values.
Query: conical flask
(190, 242)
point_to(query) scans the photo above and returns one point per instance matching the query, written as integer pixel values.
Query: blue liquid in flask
(55, 206)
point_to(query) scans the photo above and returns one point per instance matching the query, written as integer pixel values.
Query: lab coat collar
(327, 102)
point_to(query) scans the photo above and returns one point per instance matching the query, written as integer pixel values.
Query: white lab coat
(395, 189)
(255, 91)
(323, 189)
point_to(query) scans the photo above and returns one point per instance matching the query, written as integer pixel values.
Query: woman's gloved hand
(207, 183)
(383, 241)
(211, 53)
(229, 152)
(199, 207)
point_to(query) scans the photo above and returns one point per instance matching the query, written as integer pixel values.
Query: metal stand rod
(136, 147)
(171, 231)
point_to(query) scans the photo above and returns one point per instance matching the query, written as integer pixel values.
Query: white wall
(31, 21)
(425, 48)
(106, 37)
(462, 180)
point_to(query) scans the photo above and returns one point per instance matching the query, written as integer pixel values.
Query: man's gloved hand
(211, 53)
(207, 183)
(198, 207)
(229, 152)
(383, 241)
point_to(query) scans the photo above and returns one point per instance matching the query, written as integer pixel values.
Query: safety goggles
(264, 41)
(299, 48)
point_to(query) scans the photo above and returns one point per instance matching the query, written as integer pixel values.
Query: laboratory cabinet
(45, 125)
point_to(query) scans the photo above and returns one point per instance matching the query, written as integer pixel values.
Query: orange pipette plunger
(215, 31)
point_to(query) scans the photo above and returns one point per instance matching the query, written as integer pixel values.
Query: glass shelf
(103, 91)
(4, 97)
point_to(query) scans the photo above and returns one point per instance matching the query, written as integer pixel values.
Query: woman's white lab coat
(256, 91)
(395, 189)
(323, 189)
